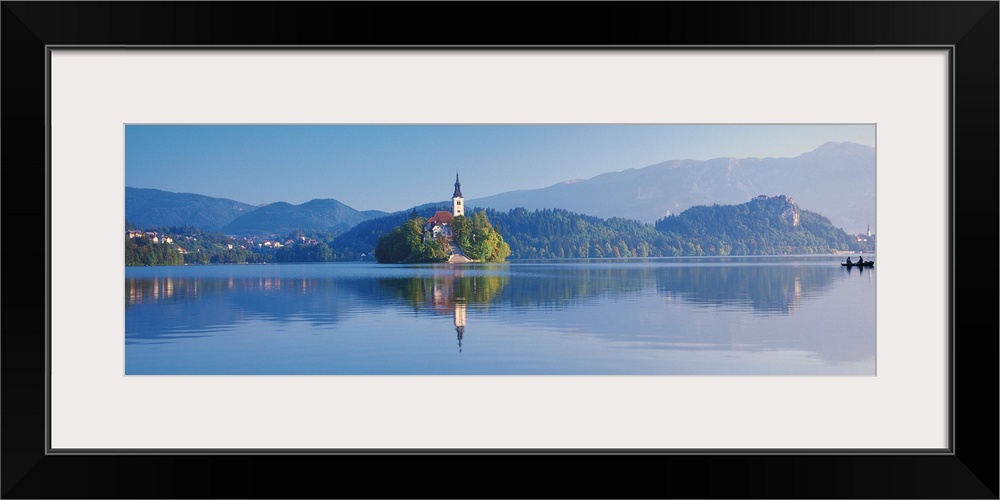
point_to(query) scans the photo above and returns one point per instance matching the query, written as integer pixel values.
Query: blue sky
(395, 167)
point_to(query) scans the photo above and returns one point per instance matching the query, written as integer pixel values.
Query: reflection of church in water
(460, 322)
(442, 298)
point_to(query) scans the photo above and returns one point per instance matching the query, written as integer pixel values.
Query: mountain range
(836, 180)
(156, 208)
(314, 215)
(147, 208)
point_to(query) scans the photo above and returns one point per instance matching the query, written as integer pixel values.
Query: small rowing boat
(867, 263)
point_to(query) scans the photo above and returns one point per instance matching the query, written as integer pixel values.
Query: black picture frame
(970, 470)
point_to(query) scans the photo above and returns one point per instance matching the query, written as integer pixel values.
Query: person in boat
(860, 260)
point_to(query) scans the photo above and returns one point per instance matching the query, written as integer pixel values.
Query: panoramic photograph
(495, 249)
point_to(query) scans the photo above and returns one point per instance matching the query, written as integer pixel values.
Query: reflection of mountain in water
(770, 289)
(765, 289)
(559, 287)
(185, 306)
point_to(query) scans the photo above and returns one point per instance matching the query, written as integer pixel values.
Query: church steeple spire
(457, 205)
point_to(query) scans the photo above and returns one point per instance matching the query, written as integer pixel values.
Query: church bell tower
(457, 202)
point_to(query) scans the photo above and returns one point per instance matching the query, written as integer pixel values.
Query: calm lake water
(679, 316)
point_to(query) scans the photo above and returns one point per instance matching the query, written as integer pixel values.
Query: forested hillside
(559, 234)
(763, 226)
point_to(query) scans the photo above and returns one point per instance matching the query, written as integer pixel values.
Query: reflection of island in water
(449, 292)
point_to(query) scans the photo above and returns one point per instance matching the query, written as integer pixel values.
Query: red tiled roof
(442, 217)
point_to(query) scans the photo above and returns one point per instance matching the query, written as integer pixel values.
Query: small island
(444, 237)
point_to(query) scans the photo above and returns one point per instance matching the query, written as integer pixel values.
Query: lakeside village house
(439, 225)
(247, 240)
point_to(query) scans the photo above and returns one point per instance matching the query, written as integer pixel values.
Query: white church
(439, 225)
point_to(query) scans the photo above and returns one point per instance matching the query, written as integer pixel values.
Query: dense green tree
(392, 247)
(479, 239)
(304, 252)
(405, 243)
(557, 233)
(142, 251)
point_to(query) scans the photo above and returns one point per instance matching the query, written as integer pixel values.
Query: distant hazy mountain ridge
(836, 180)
